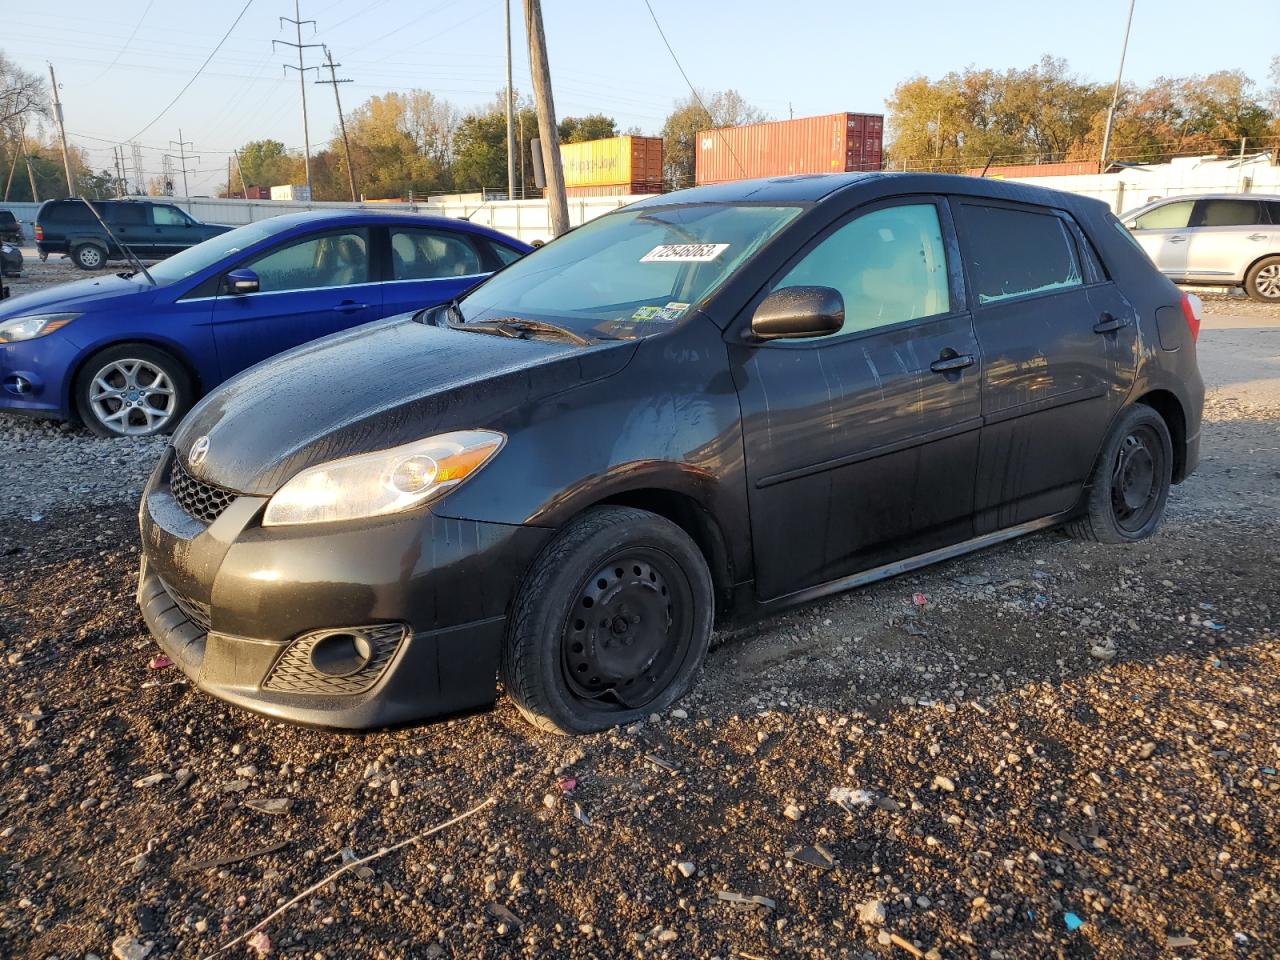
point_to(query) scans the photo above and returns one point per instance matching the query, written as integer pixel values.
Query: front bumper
(239, 607)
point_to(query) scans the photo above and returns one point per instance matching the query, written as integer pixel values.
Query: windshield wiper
(517, 327)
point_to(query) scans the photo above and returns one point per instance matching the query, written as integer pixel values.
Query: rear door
(861, 446)
(430, 266)
(1227, 235)
(1059, 347)
(1164, 232)
(128, 221)
(310, 286)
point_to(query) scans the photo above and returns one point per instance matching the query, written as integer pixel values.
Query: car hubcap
(132, 397)
(1135, 479)
(1268, 281)
(90, 257)
(628, 631)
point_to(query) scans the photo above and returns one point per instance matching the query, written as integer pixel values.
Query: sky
(120, 63)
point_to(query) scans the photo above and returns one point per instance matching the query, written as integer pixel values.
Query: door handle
(1177, 239)
(950, 362)
(1109, 324)
(349, 306)
(1256, 236)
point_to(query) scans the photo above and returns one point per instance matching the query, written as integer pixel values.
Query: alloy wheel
(132, 397)
(1135, 479)
(629, 630)
(1267, 281)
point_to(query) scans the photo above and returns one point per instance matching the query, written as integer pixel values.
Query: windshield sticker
(684, 252)
(672, 311)
(646, 313)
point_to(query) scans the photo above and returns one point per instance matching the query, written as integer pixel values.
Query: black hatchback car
(703, 407)
(149, 228)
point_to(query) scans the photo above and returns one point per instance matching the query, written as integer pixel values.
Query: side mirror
(799, 312)
(241, 282)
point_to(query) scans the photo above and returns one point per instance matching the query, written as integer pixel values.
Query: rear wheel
(88, 257)
(132, 390)
(1126, 496)
(1263, 280)
(611, 623)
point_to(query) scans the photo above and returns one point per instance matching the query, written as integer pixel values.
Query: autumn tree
(401, 143)
(480, 146)
(580, 129)
(266, 163)
(695, 113)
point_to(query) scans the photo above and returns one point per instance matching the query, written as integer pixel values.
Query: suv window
(1227, 213)
(889, 265)
(1014, 253)
(66, 213)
(431, 254)
(330, 260)
(1170, 216)
(125, 215)
(166, 216)
(1273, 209)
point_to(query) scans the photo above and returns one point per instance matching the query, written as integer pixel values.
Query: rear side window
(431, 255)
(504, 254)
(1227, 213)
(67, 213)
(1170, 216)
(125, 215)
(1016, 253)
(1273, 208)
(889, 265)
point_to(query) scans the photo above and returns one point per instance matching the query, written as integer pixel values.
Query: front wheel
(132, 390)
(1262, 283)
(611, 623)
(1127, 493)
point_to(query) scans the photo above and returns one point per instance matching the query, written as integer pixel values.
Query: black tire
(1262, 282)
(1126, 496)
(143, 396)
(630, 560)
(89, 256)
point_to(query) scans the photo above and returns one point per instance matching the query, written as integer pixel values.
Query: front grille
(193, 610)
(204, 501)
(294, 672)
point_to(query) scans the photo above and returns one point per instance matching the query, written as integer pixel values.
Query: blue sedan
(128, 354)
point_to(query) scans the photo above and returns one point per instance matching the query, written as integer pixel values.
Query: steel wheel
(88, 257)
(1136, 484)
(132, 397)
(1267, 281)
(629, 630)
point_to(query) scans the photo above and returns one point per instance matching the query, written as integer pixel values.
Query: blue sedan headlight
(35, 325)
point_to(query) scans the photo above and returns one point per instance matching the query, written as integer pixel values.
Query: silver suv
(1227, 239)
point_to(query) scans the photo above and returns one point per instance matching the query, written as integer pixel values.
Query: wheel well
(1166, 404)
(691, 517)
(73, 402)
(1249, 268)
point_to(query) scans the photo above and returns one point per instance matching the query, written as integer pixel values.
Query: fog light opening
(341, 654)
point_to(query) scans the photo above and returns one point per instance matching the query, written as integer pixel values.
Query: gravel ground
(1070, 752)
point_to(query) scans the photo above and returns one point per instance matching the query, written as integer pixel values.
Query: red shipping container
(834, 143)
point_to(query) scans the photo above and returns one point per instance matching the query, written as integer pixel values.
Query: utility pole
(115, 157)
(26, 159)
(140, 180)
(1115, 94)
(297, 22)
(342, 123)
(62, 132)
(511, 110)
(550, 136)
(13, 165)
(244, 187)
(182, 158)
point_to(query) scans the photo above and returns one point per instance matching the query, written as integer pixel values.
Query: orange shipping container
(834, 143)
(630, 161)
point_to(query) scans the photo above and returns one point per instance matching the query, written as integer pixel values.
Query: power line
(234, 24)
(120, 54)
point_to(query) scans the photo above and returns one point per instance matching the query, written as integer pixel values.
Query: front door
(171, 229)
(308, 287)
(861, 446)
(1059, 345)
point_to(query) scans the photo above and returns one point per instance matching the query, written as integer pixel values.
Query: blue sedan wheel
(133, 390)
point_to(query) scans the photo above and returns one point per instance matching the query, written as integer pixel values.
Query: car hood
(92, 292)
(374, 387)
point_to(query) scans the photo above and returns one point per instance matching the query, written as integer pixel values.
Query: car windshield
(630, 273)
(194, 259)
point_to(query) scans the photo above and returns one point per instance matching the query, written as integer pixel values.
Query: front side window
(1170, 216)
(329, 260)
(1228, 213)
(431, 255)
(889, 265)
(1015, 253)
(169, 217)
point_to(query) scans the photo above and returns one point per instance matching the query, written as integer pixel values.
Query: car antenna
(116, 240)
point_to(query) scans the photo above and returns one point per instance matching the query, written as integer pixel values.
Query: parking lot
(1069, 750)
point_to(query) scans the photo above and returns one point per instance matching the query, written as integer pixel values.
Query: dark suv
(708, 405)
(150, 229)
(10, 228)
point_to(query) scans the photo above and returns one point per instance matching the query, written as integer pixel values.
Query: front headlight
(386, 481)
(36, 325)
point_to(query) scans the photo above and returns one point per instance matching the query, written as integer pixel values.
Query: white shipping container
(291, 191)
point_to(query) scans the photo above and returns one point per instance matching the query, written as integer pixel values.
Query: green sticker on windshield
(646, 313)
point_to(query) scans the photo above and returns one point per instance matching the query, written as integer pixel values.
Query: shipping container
(631, 162)
(834, 143)
(292, 191)
(613, 190)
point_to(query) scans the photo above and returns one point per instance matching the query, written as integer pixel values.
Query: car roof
(365, 215)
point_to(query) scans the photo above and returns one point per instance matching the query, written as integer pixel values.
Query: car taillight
(39, 232)
(1191, 309)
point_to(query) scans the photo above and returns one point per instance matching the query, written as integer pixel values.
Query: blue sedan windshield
(194, 259)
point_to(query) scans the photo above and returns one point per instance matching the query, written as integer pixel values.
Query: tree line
(416, 143)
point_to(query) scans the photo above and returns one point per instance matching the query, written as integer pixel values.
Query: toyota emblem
(199, 450)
